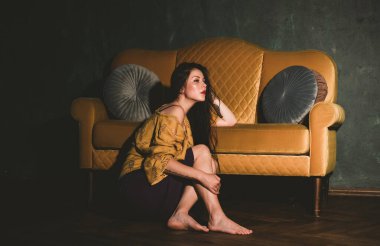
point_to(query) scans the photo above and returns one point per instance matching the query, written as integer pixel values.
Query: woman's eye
(196, 80)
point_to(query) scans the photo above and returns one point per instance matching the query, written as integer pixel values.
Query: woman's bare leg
(181, 220)
(218, 221)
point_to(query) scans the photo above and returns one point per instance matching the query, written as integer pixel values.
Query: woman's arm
(210, 181)
(228, 118)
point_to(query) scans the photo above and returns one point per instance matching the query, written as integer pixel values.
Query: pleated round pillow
(290, 94)
(127, 92)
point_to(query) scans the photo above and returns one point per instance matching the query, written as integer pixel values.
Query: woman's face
(195, 87)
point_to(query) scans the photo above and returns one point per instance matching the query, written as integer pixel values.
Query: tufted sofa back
(239, 70)
(235, 71)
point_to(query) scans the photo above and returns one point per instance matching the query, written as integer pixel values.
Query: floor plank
(42, 218)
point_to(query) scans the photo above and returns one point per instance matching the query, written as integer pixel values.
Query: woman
(165, 173)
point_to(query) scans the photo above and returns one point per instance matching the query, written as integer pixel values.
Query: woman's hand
(208, 180)
(225, 115)
(211, 182)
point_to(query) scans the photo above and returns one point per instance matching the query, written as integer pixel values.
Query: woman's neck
(184, 103)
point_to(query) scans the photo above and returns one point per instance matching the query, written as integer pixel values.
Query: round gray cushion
(289, 95)
(126, 92)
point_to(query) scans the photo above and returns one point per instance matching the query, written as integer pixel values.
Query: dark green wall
(55, 51)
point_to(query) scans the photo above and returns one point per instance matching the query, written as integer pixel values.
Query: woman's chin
(198, 98)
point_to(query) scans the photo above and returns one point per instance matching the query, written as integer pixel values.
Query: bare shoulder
(176, 111)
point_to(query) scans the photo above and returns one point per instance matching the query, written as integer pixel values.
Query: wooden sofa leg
(90, 187)
(326, 188)
(317, 196)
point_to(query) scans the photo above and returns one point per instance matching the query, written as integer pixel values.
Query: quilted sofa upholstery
(239, 72)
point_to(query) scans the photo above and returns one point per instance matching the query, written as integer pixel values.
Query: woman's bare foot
(224, 224)
(183, 221)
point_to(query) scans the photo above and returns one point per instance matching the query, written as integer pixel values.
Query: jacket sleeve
(164, 146)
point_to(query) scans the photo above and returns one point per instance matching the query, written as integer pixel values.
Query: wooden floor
(45, 218)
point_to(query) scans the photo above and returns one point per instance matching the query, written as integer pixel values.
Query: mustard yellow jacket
(161, 138)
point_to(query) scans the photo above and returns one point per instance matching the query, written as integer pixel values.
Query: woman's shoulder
(172, 111)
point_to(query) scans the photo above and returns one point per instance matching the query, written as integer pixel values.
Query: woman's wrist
(216, 101)
(217, 107)
(199, 175)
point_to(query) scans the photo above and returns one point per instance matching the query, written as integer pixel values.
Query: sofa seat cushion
(112, 134)
(287, 139)
(270, 165)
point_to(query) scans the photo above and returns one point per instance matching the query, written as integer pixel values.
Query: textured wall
(55, 51)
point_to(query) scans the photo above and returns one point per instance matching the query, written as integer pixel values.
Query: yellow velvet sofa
(239, 71)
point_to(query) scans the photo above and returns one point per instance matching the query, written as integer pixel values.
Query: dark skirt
(140, 200)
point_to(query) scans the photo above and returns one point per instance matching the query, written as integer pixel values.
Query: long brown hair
(200, 115)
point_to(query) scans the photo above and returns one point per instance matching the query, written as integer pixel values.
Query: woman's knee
(203, 159)
(200, 151)
(215, 166)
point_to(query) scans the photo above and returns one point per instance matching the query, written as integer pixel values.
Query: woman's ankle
(216, 216)
(180, 211)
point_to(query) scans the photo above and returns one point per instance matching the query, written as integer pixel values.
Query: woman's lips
(203, 92)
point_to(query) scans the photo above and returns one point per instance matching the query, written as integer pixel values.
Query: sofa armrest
(324, 120)
(87, 111)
